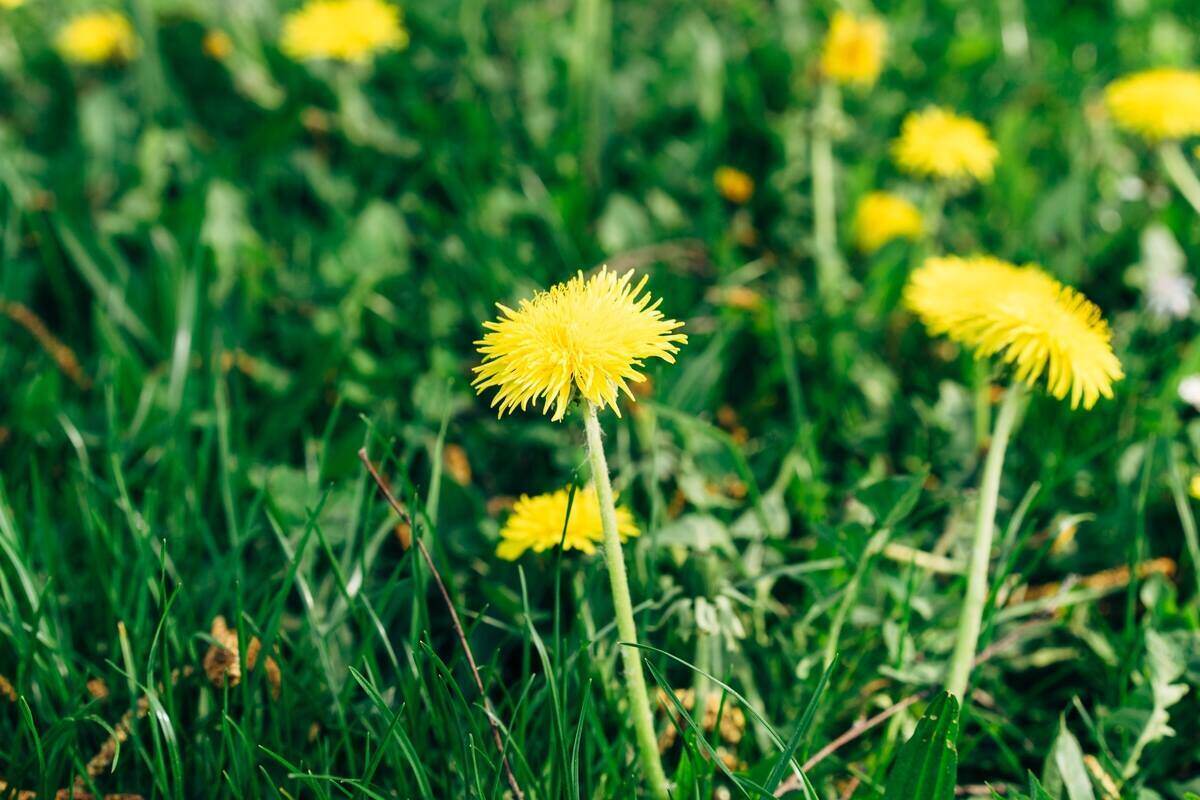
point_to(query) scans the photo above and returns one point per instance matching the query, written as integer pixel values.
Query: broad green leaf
(892, 499)
(927, 765)
(1065, 769)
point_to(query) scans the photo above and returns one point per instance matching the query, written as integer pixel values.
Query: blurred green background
(223, 274)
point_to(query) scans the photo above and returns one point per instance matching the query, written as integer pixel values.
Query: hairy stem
(635, 680)
(971, 620)
(831, 273)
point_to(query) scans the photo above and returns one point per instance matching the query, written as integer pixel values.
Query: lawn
(855, 453)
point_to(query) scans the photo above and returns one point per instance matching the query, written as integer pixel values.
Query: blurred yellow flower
(536, 523)
(1157, 103)
(1036, 323)
(941, 144)
(10, 3)
(343, 30)
(97, 37)
(588, 334)
(853, 51)
(217, 44)
(733, 184)
(1194, 486)
(883, 216)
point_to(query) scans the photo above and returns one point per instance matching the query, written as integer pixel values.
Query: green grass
(263, 267)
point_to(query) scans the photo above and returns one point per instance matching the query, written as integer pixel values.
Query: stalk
(831, 276)
(971, 621)
(1180, 172)
(635, 680)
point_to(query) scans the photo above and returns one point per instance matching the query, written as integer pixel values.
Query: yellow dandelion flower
(11, 3)
(854, 47)
(1156, 103)
(588, 335)
(1034, 322)
(1194, 486)
(536, 523)
(343, 30)
(883, 216)
(733, 184)
(217, 44)
(97, 37)
(941, 144)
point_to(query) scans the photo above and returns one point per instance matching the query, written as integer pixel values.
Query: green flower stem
(831, 273)
(981, 378)
(635, 680)
(971, 620)
(1180, 172)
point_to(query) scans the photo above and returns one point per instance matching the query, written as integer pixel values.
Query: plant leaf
(927, 765)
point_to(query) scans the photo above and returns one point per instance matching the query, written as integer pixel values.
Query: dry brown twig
(406, 542)
(792, 782)
(63, 356)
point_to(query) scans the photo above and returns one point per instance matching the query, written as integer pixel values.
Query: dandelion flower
(217, 45)
(1157, 104)
(733, 184)
(1030, 319)
(941, 144)
(11, 3)
(883, 216)
(536, 523)
(589, 335)
(97, 37)
(1194, 486)
(853, 51)
(1169, 291)
(343, 30)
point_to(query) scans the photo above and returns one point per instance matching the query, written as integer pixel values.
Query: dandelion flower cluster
(853, 51)
(941, 144)
(883, 216)
(733, 184)
(97, 37)
(588, 335)
(536, 523)
(1157, 104)
(343, 30)
(1035, 323)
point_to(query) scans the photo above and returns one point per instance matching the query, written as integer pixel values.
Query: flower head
(1157, 103)
(853, 51)
(1035, 323)
(941, 144)
(1169, 291)
(217, 45)
(537, 523)
(97, 37)
(588, 335)
(343, 30)
(733, 184)
(883, 216)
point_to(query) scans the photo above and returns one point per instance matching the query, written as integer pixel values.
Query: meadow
(586, 400)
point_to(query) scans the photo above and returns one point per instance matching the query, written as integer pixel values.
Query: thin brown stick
(856, 730)
(406, 541)
(63, 356)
